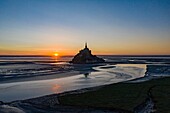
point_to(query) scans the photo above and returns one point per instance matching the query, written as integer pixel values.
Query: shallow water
(127, 68)
(30, 89)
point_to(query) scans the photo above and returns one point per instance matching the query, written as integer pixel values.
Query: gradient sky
(116, 27)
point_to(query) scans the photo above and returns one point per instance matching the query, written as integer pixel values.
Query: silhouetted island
(85, 57)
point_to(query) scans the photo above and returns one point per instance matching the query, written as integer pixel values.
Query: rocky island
(85, 57)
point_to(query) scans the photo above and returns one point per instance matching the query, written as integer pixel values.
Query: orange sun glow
(56, 54)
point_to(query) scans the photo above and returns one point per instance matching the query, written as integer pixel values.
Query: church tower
(86, 45)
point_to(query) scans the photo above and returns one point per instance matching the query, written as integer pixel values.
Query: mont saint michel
(85, 57)
(46, 66)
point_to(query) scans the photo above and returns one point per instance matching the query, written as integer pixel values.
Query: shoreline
(52, 101)
(77, 91)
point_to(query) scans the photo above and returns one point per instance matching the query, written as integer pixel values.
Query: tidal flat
(107, 87)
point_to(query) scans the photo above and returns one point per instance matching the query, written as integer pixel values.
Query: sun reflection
(55, 88)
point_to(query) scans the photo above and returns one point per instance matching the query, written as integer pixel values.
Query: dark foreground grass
(124, 96)
(162, 98)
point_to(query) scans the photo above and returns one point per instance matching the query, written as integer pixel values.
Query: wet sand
(24, 88)
(51, 101)
(41, 77)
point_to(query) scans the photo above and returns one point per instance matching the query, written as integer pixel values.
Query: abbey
(85, 57)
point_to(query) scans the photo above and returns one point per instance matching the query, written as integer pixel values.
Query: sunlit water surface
(104, 75)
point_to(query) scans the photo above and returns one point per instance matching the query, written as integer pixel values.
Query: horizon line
(19, 55)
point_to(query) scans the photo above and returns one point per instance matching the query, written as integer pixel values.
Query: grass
(124, 96)
(162, 98)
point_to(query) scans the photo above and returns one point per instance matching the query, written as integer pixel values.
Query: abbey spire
(86, 45)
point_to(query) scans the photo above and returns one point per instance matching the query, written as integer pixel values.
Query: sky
(110, 27)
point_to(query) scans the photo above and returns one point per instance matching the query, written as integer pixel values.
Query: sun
(56, 54)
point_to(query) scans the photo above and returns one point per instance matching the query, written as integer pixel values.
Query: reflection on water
(86, 74)
(133, 65)
(103, 75)
(55, 88)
